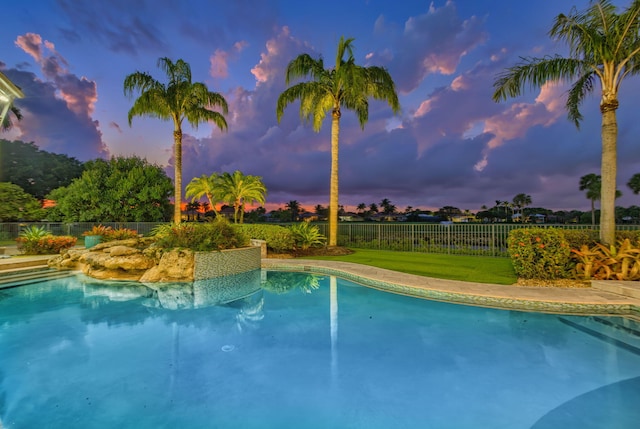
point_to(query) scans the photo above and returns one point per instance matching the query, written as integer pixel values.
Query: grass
(480, 269)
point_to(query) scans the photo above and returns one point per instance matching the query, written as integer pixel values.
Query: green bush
(540, 253)
(278, 238)
(306, 235)
(200, 237)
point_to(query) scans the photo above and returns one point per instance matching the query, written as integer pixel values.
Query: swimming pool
(297, 350)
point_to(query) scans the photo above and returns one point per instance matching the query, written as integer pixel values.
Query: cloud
(57, 112)
(121, 25)
(219, 60)
(432, 43)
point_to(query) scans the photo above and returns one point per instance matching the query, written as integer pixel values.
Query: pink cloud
(515, 121)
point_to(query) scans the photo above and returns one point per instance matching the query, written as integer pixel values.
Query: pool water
(297, 350)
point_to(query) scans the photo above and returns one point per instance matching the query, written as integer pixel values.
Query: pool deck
(603, 297)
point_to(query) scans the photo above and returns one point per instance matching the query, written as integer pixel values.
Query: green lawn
(481, 269)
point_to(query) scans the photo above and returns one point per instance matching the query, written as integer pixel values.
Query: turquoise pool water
(295, 350)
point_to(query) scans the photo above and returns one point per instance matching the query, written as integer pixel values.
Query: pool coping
(583, 301)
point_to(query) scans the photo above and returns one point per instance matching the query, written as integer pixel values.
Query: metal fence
(10, 231)
(455, 239)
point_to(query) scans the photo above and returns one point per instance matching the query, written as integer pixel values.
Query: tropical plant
(238, 190)
(603, 46)
(216, 235)
(100, 230)
(307, 235)
(346, 85)
(204, 186)
(34, 232)
(177, 100)
(36, 240)
(602, 262)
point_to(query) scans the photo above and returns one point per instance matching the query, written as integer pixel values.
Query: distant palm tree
(204, 186)
(178, 100)
(346, 85)
(294, 207)
(592, 183)
(634, 183)
(603, 46)
(387, 207)
(373, 208)
(362, 207)
(521, 201)
(238, 190)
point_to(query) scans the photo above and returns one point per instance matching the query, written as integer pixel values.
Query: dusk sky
(450, 145)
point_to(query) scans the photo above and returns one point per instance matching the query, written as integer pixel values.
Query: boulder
(175, 265)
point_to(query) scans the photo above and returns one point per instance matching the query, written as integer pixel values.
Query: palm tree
(238, 190)
(373, 208)
(7, 123)
(592, 183)
(603, 46)
(204, 186)
(634, 183)
(178, 100)
(294, 207)
(362, 207)
(520, 201)
(387, 207)
(329, 90)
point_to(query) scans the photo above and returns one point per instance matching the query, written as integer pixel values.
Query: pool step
(25, 276)
(618, 331)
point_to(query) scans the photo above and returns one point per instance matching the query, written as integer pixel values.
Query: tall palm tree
(177, 100)
(204, 186)
(603, 46)
(346, 85)
(238, 190)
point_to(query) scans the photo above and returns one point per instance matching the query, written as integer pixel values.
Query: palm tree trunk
(333, 192)
(593, 212)
(177, 147)
(608, 173)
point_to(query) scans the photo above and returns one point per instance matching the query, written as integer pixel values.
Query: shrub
(278, 238)
(34, 233)
(46, 245)
(576, 238)
(540, 253)
(119, 234)
(600, 262)
(216, 235)
(306, 235)
(98, 230)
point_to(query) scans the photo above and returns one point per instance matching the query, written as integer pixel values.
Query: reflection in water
(282, 282)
